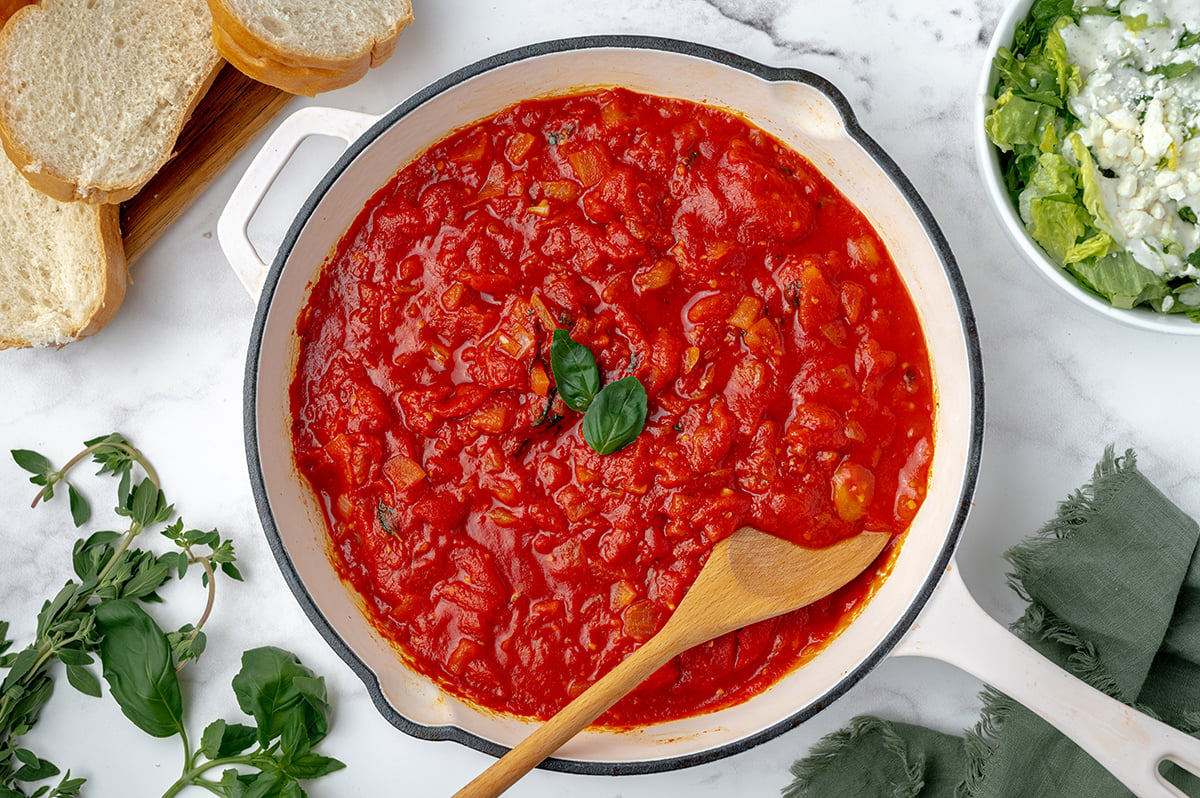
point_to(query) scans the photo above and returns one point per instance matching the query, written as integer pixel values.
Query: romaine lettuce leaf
(1096, 246)
(1043, 15)
(1052, 176)
(1055, 49)
(1017, 121)
(1031, 76)
(1056, 223)
(1093, 198)
(1121, 280)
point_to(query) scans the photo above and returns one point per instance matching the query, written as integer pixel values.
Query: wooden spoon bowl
(750, 576)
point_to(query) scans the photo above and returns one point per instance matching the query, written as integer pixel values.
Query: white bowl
(989, 167)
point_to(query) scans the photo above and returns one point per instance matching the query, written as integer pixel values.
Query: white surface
(1062, 382)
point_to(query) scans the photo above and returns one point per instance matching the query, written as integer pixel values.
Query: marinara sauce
(788, 386)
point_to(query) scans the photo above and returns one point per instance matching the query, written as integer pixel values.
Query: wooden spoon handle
(576, 716)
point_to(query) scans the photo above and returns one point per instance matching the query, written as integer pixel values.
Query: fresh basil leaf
(1187, 214)
(575, 371)
(32, 462)
(222, 739)
(233, 782)
(312, 766)
(1188, 39)
(616, 416)
(138, 667)
(275, 689)
(293, 740)
(267, 784)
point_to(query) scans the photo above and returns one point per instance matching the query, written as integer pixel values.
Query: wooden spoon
(750, 576)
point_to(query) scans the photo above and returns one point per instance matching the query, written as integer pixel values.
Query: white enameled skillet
(921, 609)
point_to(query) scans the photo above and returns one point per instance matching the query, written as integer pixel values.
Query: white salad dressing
(1143, 129)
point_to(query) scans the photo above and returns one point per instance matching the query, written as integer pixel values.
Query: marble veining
(1062, 383)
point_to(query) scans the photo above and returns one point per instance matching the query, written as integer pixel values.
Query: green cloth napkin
(1113, 585)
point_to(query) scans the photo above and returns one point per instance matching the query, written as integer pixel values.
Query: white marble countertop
(1061, 382)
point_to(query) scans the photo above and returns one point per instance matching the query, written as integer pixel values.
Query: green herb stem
(206, 563)
(193, 772)
(61, 474)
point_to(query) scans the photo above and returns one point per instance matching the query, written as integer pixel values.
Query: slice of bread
(308, 46)
(93, 93)
(62, 265)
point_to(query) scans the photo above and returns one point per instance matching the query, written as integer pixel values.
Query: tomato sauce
(787, 377)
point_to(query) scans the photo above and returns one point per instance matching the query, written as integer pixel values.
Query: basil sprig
(613, 415)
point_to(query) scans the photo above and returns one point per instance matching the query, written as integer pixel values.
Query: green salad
(1097, 120)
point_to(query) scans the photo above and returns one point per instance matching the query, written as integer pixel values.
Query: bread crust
(115, 276)
(9, 7)
(116, 272)
(65, 187)
(289, 70)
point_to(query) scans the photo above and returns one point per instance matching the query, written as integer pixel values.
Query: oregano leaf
(84, 681)
(80, 511)
(32, 462)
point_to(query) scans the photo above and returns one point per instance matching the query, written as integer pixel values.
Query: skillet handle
(1130, 745)
(248, 194)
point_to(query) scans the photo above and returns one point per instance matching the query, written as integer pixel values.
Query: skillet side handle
(1130, 745)
(248, 194)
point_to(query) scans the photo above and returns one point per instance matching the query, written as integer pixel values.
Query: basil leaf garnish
(575, 371)
(616, 416)
(138, 667)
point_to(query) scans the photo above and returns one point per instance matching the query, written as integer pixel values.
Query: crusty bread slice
(93, 93)
(308, 46)
(62, 265)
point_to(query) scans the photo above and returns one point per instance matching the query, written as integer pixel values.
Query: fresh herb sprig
(98, 615)
(286, 700)
(613, 415)
(108, 568)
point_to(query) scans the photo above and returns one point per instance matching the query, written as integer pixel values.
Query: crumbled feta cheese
(1142, 128)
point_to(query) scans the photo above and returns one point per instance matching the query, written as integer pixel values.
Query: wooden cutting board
(233, 112)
